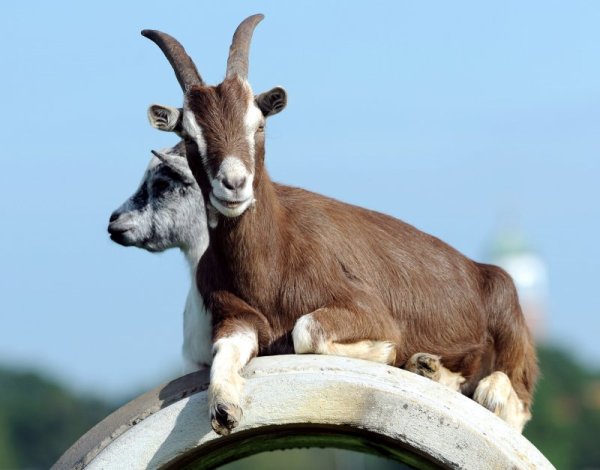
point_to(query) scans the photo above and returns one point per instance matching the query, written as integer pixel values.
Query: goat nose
(114, 216)
(234, 183)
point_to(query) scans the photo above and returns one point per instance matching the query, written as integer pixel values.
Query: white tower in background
(509, 249)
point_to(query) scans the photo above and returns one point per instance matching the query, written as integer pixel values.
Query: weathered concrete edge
(87, 447)
(283, 390)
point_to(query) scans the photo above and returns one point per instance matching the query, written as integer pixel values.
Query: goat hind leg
(496, 393)
(430, 366)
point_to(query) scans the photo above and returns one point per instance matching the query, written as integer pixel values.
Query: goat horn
(163, 157)
(237, 62)
(185, 70)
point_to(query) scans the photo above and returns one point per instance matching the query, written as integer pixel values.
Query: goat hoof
(224, 417)
(425, 365)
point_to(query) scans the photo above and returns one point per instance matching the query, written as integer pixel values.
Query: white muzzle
(232, 191)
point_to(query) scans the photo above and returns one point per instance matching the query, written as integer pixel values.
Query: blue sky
(445, 114)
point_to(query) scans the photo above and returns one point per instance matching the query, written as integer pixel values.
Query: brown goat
(288, 270)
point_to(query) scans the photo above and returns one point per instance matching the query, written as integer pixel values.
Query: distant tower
(509, 249)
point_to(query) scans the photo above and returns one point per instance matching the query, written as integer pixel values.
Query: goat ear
(272, 102)
(165, 118)
(177, 163)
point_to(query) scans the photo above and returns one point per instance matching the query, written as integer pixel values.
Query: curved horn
(237, 62)
(185, 70)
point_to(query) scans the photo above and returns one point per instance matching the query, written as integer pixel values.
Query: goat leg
(342, 332)
(236, 341)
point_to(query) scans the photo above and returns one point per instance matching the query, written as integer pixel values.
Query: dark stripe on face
(140, 199)
(197, 168)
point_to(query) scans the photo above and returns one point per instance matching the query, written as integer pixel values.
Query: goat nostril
(228, 184)
(233, 184)
(114, 216)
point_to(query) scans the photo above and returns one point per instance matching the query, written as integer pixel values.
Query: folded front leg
(342, 332)
(236, 332)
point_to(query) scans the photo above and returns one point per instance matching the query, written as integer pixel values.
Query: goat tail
(514, 349)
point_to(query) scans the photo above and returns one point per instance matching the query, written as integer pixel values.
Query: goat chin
(229, 209)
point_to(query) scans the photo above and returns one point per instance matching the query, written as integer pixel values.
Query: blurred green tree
(566, 411)
(39, 419)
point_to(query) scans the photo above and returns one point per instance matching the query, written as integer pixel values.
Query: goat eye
(261, 128)
(159, 186)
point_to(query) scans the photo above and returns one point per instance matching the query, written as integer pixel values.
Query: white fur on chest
(197, 333)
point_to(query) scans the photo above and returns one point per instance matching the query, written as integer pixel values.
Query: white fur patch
(197, 330)
(496, 393)
(302, 334)
(213, 215)
(232, 202)
(231, 354)
(452, 380)
(191, 127)
(232, 168)
(383, 352)
(252, 120)
(308, 337)
(227, 211)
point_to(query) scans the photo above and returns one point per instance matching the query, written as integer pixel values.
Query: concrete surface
(302, 401)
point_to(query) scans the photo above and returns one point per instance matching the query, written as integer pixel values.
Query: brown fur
(372, 277)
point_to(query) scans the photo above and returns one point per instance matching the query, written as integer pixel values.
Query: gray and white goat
(167, 211)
